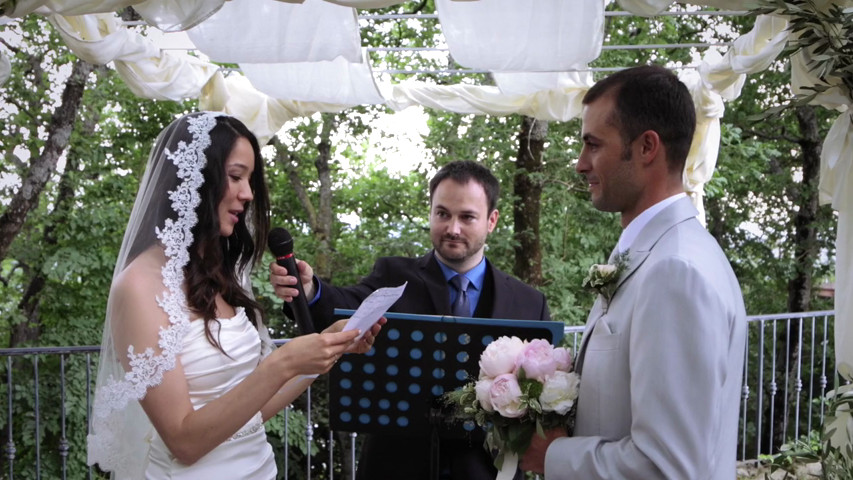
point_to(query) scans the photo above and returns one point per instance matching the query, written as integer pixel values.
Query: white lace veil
(164, 214)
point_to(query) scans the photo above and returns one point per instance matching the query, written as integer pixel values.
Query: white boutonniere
(603, 278)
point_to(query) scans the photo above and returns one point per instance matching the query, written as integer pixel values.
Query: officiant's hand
(284, 284)
(533, 460)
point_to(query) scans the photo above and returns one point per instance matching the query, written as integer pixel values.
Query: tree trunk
(714, 219)
(805, 196)
(528, 198)
(41, 169)
(29, 331)
(323, 228)
(320, 217)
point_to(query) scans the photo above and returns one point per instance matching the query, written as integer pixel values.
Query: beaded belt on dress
(252, 426)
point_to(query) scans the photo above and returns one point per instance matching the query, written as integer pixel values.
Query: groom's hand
(533, 460)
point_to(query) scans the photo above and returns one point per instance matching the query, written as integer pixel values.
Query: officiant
(454, 278)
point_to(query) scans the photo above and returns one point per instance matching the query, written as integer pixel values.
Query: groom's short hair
(650, 97)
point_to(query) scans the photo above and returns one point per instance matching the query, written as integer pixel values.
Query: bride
(188, 373)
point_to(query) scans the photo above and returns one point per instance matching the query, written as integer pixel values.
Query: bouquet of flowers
(523, 388)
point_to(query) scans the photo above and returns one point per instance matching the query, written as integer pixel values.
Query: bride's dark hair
(217, 263)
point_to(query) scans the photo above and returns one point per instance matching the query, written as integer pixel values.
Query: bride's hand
(317, 353)
(364, 344)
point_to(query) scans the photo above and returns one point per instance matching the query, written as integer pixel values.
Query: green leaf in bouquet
(530, 387)
(463, 402)
(483, 418)
(539, 429)
(534, 405)
(519, 436)
(499, 460)
(456, 397)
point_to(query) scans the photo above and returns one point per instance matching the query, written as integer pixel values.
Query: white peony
(559, 392)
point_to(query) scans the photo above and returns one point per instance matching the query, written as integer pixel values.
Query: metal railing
(789, 368)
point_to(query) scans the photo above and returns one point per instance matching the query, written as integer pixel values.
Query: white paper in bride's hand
(372, 308)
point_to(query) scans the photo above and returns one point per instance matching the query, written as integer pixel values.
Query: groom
(661, 363)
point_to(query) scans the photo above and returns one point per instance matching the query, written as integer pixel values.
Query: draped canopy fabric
(557, 35)
(176, 15)
(836, 187)
(148, 71)
(265, 31)
(538, 62)
(750, 53)
(306, 81)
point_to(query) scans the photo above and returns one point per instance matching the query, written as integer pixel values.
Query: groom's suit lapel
(680, 211)
(669, 217)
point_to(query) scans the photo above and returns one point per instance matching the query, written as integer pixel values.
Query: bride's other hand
(365, 343)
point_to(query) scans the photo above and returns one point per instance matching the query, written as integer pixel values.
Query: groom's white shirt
(626, 239)
(662, 365)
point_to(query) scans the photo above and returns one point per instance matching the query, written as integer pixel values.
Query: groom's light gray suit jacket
(662, 364)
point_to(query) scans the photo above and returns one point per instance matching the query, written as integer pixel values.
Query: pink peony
(483, 388)
(537, 360)
(499, 357)
(564, 359)
(505, 395)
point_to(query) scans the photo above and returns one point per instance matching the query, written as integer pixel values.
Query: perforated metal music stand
(395, 388)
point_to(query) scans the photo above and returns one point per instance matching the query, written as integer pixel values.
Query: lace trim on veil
(147, 368)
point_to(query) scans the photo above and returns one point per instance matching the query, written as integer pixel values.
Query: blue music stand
(395, 388)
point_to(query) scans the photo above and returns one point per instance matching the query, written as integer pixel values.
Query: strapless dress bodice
(210, 373)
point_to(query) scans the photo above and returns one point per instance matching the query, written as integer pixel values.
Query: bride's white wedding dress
(209, 373)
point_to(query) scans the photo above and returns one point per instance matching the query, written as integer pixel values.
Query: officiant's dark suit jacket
(395, 457)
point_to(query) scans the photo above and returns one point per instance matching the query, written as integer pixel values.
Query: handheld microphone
(281, 246)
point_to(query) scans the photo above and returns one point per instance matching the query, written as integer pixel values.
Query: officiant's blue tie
(460, 307)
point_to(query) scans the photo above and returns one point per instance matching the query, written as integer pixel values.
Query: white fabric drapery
(836, 187)
(64, 7)
(721, 78)
(266, 31)
(353, 83)
(167, 15)
(750, 53)
(702, 158)
(527, 83)
(176, 15)
(561, 103)
(148, 71)
(262, 114)
(510, 36)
